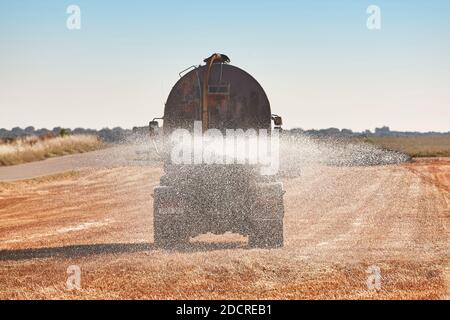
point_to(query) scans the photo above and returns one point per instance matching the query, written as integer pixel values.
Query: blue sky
(318, 62)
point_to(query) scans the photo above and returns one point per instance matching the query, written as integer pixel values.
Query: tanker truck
(198, 197)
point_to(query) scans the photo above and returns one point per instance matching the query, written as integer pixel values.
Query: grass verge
(33, 148)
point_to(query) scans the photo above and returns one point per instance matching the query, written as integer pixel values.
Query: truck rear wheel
(266, 222)
(266, 234)
(169, 233)
(169, 229)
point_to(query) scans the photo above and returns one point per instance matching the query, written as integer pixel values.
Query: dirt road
(342, 225)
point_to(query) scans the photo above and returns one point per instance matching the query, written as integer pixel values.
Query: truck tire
(169, 229)
(169, 233)
(266, 234)
(266, 223)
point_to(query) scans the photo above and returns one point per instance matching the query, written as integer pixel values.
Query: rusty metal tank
(235, 100)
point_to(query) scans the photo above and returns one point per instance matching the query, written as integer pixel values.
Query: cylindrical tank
(235, 100)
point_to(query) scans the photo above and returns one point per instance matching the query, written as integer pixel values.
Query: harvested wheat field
(339, 222)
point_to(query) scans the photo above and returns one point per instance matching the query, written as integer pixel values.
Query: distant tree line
(118, 134)
(108, 135)
(379, 132)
